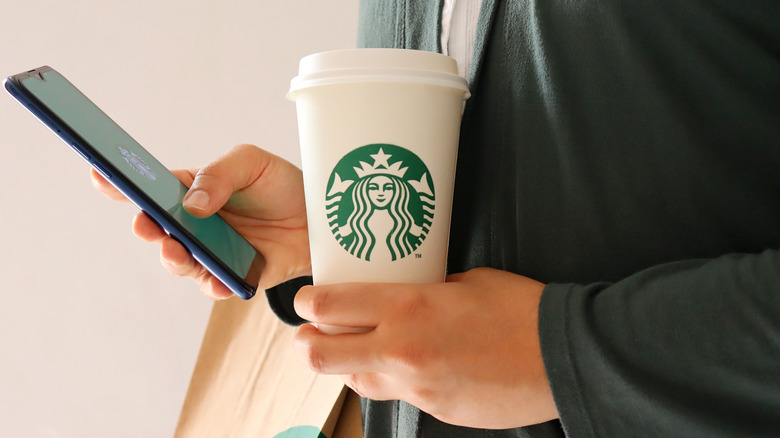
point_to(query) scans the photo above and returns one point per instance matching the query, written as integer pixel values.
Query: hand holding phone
(223, 252)
(173, 256)
(260, 194)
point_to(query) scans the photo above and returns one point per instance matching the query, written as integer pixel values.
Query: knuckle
(411, 306)
(199, 274)
(207, 176)
(205, 288)
(319, 304)
(432, 401)
(310, 354)
(180, 268)
(172, 268)
(412, 356)
(205, 284)
(313, 359)
(245, 147)
(424, 397)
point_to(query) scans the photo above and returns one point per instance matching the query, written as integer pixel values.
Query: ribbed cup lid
(377, 65)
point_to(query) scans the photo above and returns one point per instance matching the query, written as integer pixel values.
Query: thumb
(217, 181)
(198, 202)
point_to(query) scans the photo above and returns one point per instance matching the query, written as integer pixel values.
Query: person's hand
(259, 194)
(465, 351)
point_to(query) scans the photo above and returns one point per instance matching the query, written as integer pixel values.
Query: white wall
(96, 339)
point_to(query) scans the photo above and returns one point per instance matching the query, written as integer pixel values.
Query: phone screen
(128, 157)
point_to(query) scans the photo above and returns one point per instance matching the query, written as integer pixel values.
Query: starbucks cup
(378, 132)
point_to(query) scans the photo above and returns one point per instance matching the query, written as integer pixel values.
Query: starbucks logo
(380, 202)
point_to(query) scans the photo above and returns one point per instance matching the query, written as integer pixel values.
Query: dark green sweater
(628, 154)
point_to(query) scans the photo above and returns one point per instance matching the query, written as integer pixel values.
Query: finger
(214, 289)
(346, 304)
(178, 261)
(216, 182)
(146, 229)
(336, 354)
(186, 176)
(105, 187)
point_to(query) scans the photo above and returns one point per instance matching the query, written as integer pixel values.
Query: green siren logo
(380, 202)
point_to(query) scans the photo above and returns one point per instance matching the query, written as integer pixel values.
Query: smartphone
(138, 175)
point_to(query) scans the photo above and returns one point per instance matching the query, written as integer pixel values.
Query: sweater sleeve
(690, 348)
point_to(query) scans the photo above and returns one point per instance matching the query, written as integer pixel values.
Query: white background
(96, 339)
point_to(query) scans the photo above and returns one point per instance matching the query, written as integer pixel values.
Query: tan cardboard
(248, 382)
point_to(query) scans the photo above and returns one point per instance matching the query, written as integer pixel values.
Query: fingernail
(197, 199)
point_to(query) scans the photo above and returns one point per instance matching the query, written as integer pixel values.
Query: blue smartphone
(138, 175)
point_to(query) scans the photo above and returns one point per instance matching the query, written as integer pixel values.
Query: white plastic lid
(377, 65)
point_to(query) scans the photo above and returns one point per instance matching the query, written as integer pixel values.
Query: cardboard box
(248, 383)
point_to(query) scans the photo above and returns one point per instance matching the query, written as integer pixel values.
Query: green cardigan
(628, 154)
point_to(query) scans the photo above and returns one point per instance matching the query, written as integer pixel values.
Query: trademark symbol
(418, 256)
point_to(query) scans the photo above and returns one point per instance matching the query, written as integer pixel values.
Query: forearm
(689, 348)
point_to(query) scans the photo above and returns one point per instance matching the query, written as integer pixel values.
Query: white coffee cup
(378, 131)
